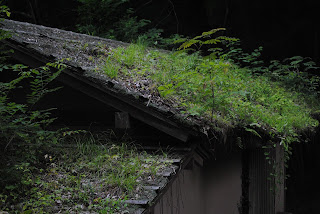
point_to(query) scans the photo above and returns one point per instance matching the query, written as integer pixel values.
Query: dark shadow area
(283, 28)
(302, 195)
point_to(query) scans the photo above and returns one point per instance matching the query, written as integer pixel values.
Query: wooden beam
(198, 159)
(122, 120)
(124, 103)
(137, 202)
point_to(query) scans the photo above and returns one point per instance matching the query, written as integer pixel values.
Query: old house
(213, 176)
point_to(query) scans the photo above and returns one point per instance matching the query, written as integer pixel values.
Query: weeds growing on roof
(224, 94)
(98, 175)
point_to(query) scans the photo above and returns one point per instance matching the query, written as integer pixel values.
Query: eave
(106, 91)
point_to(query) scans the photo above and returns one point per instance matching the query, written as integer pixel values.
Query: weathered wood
(109, 96)
(139, 211)
(175, 161)
(284, 213)
(280, 180)
(190, 165)
(261, 189)
(159, 148)
(198, 159)
(137, 202)
(168, 185)
(155, 188)
(125, 104)
(168, 172)
(122, 120)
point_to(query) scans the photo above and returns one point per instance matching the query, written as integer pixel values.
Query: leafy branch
(20, 121)
(204, 39)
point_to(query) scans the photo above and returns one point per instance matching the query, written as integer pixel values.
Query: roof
(96, 173)
(241, 102)
(279, 114)
(35, 45)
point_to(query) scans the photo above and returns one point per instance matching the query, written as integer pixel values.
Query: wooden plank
(137, 202)
(174, 161)
(139, 211)
(198, 159)
(155, 188)
(190, 165)
(125, 104)
(166, 187)
(280, 179)
(159, 148)
(167, 172)
(262, 199)
(122, 120)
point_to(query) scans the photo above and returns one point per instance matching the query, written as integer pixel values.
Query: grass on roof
(96, 176)
(217, 91)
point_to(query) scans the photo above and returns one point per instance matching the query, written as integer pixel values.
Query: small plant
(4, 11)
(110, 68)
(295, 74)
(110, 206)
(84, 47)
(91, 59)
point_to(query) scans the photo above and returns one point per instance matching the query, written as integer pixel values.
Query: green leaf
(253, 132)
(180, 40)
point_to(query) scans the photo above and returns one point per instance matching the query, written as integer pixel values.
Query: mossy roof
(82, 53)
(39, 44)
(86, 53)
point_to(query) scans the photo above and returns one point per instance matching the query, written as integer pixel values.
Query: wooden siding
(266, 194)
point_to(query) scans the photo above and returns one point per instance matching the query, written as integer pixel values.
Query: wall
(303, 185)
(185, 196)
(213, 188)
(222, 179)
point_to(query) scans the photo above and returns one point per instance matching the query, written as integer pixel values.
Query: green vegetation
(40, 174)
(115, 19)
(97, 175)
(21, 122)
(277, 101)
(110, 18)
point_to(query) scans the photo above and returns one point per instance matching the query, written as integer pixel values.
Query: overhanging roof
(36, 45)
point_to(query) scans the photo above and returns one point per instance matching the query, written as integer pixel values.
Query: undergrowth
(116, 19)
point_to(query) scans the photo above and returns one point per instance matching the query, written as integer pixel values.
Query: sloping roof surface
(84, 53)
(35, 45)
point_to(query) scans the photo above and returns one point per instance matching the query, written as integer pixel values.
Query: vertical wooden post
(261, 194)
(122, 120)
(280, 180)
